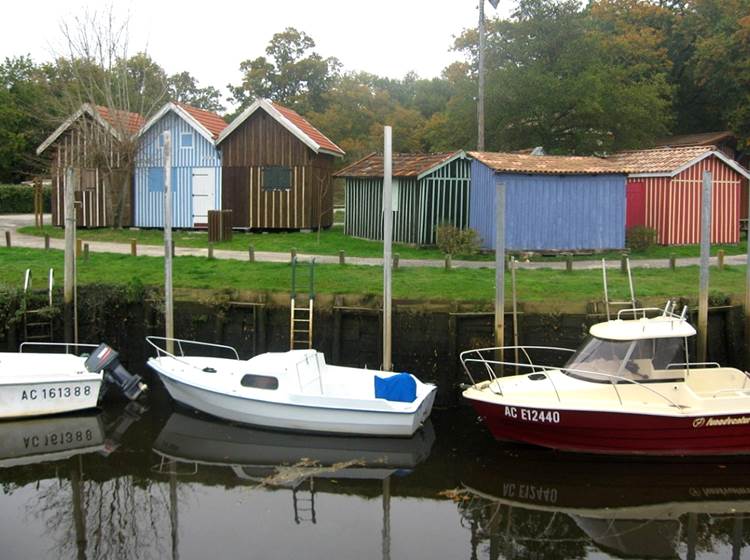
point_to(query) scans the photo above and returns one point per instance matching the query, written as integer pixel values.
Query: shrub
(640, 238)
(19, 199)
(455, 241)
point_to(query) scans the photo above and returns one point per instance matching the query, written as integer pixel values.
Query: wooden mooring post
(705, 255)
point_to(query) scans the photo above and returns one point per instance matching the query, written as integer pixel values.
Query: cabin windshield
(604, 360)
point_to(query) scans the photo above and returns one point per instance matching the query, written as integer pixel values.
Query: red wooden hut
(664, 192)
(276, 170)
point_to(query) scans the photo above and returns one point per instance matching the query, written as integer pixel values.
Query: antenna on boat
(607, 302)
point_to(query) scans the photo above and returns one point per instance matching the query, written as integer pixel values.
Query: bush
(640, 238)
(19, 199)
(455, 241)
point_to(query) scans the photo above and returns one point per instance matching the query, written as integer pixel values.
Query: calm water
(169, 483)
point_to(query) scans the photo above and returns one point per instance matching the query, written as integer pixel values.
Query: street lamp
(480, 100)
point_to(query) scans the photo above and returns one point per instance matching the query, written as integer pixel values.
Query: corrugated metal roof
(698, 139)
(121, 120)
(550, 165)
(659, 160)
(404, 165)
(300, 122)
(213, 122)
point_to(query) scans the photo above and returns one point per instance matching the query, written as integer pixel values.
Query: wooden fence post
(395, 260)
(7, 239)
(85, 251)
(448, 261)
(342, 257)
(673, 262)
(46, 241)
(251, 253)
(210, 251)
(569, 263)
(721, 259)
(134, 247)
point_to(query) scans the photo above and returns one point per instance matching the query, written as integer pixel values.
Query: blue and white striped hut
(196, 167)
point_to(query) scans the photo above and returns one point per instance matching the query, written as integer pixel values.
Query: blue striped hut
(196, 167)
(428, 190)
(552, 203)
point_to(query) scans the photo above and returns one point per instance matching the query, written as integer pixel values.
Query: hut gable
(297, 125)
(94, 142)
(664, 192)
(560, 203)
(428, 190)
(403, 165)
(196, 167)
(277, 170)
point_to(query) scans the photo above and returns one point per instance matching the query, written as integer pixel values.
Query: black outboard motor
(105, 359)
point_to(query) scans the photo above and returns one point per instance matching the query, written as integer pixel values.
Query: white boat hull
(299, 418)
(43, 384)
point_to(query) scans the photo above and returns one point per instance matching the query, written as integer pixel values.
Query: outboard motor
(105, 359)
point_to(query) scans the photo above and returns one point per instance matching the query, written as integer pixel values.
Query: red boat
(628, 390)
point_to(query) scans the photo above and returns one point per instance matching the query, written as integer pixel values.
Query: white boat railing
(66, 345)
(180, 342)
(491, 364)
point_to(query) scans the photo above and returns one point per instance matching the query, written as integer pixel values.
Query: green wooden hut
(428, 190)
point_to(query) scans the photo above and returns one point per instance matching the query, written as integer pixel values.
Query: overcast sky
(210, 39)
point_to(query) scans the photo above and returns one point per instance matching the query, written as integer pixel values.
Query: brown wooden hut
(276, 170)
(93, 143)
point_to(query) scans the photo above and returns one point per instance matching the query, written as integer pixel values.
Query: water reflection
(174, 484)
(552, 505)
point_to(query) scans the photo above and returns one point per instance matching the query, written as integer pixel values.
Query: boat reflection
(557, 505)
(268, 457)
(56, 438)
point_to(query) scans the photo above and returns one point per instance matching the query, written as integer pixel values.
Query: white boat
(294, 390)
(60, 381)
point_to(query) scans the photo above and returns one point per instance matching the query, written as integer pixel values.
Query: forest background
(572, 77)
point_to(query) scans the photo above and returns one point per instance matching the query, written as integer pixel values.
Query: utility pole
(480, 96)
(168, 295)
(499, 264)
(387, 241)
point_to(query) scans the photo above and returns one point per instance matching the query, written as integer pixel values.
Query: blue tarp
(400, 387)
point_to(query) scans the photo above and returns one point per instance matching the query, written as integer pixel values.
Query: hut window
(186, 140)
(277, 177)
(260, 382)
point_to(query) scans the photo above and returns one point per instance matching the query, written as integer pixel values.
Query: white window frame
(192, 140)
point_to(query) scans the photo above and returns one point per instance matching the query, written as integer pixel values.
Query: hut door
(636, 204)
(204, 198)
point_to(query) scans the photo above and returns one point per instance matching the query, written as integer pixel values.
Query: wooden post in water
(69, 275)
(387, 242)
(705, 253)
(168, 294)
(499, 264)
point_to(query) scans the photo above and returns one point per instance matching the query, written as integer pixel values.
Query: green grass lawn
(412, 283)
(334, 240)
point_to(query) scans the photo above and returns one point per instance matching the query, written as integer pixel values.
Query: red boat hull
(618, 433)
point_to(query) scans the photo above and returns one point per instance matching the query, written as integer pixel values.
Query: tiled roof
(699, 139)
(658, 160)
(404, 165)
(213, 122)
(300, 122)
(551, 165)
(120, 120)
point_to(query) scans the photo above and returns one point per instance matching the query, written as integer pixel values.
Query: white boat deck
(26, 367)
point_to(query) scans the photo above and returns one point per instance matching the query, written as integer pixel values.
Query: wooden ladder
(304, 502)
(301, 316)
(37, 321)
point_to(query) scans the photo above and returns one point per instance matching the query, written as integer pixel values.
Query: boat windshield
(599, 359)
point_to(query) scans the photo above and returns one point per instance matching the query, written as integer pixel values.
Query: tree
(551, 81)
(183, 88)
(25, 107)
(293, 74)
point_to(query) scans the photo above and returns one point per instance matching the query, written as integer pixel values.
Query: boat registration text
(55, 393)
(533, 415)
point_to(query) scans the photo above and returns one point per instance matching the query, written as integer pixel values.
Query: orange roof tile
(551, 165)
(121, 120)
(697, 139)
(300, 122)
(403, 165)
(658, 160)
(213, 122)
